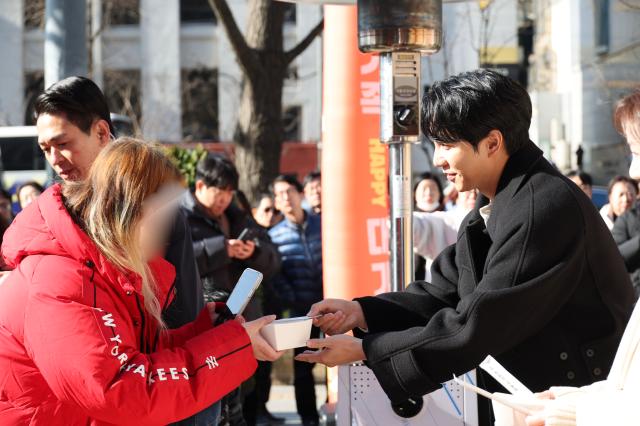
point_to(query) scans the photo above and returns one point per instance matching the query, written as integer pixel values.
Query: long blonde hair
(109, 205)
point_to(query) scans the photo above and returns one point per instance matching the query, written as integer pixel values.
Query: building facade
(168, 65)
(586, 56)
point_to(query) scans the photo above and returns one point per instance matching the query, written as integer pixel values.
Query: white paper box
(288, 333)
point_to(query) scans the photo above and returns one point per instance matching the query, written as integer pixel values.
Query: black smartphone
(247, 234)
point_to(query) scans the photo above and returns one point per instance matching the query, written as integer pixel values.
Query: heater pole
(401, 237)
(399, 129)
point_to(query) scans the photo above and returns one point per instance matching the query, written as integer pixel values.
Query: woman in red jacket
(81, 335)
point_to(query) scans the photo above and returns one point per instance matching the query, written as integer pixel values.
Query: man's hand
(240, 249)
(261, 349)
(334, 350)
(338, 316)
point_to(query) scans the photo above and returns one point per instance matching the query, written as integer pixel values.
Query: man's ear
(199, 185)
(102, 131)
(495, 142)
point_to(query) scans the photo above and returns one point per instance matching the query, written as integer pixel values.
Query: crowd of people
(144, 265)
(115, 276)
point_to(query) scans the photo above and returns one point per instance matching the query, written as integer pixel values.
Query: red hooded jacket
(77, 347)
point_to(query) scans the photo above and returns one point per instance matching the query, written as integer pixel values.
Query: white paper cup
(287, 333)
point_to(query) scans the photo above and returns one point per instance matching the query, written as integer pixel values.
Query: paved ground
(282, 402)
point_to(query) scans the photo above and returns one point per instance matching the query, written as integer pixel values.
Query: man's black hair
(584, 176)
(466, 107)
(217, 171)
(78, 99)
(261, 197)
(312, 176)
(291, 180)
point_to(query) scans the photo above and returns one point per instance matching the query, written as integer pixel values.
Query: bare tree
(264, 62)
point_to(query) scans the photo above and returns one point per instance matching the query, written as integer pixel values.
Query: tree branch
(237, 40)
(629, 4)
(304, 43)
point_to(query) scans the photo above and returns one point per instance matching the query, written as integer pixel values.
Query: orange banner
(355, 232)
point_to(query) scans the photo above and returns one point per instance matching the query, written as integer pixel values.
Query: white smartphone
(243, 291)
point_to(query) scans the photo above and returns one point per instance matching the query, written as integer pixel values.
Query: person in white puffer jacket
(435, 231)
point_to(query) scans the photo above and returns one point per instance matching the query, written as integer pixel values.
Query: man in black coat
(535, 279)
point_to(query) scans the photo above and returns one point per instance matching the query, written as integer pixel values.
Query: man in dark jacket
(626, 233)
(215, 224)
(535, 279)
(299, 284)
(74, 124)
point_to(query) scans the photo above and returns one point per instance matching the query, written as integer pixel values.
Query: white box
(287, 333)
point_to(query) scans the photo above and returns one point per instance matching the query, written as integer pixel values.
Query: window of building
(196, 11)
(291, 119)
(34, 14)
(33, 86)
(601, 10)
(121, 12)
(290, 13)
(122, 90)
(200, 104)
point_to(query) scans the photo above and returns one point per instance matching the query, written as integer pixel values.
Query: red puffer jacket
(76, 346)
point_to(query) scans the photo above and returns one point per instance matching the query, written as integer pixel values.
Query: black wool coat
(542, 288)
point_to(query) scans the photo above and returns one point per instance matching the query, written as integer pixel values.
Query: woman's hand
(261, 349)
(538, 419)
(211, 307)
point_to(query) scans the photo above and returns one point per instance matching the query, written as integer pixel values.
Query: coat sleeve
(431, 234)
(189, 298)
(179, 336)
(629, 245)
(265, 258)
(89, 357)
(608, 407)
(211, 253)
(527, 280)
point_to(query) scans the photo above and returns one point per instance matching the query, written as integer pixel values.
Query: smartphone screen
(244, 289)
(246, 234)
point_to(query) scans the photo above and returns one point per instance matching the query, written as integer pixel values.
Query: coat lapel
(478, 244)
(513, 176)
(478, 236)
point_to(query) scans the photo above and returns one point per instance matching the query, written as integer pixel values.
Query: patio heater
(400, 32)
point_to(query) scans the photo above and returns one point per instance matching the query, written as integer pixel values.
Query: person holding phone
(226, 241)
(82, 338)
